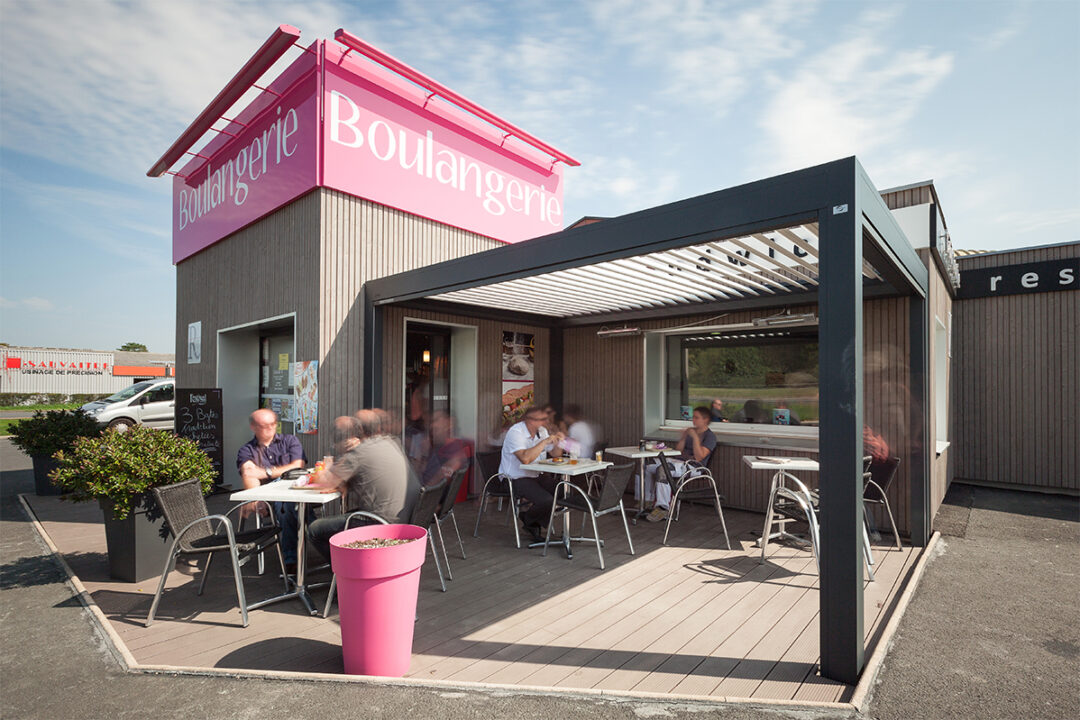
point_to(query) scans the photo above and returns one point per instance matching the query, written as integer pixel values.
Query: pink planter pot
(376, 591)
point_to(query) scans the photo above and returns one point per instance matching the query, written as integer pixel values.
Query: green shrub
(123, 466)
(45, 433)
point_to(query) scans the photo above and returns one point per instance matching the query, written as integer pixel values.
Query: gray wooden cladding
(1018, 389)
(361, 241)
(489, 363)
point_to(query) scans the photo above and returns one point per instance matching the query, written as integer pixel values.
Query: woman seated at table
(696, 444)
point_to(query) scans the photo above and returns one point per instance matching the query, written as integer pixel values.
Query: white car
(150, 403)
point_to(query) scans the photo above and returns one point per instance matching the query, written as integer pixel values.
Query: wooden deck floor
(691, 618)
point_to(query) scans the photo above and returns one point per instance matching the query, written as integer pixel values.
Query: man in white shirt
(580, 431)
(527, 442)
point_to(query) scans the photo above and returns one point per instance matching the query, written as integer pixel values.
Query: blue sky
(659, 99)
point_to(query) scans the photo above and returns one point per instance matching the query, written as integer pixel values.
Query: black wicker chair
(610, 499)
(194, 534)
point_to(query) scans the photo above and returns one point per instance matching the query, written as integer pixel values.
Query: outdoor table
(641, 456)
(782, 468)
(566, 468)
(283, 491)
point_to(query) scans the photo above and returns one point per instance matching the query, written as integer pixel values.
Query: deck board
(690, 618)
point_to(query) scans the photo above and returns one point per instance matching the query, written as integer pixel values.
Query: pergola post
(919, 421)
(840, 348)
(371, 372)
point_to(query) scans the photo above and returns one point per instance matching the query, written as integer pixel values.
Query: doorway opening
(439, 399)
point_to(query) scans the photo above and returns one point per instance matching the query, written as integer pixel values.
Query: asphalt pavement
(991, 632)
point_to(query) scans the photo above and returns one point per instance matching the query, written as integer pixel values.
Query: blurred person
(448, 452)
(374, 476)
(751, 412)
(580, 431)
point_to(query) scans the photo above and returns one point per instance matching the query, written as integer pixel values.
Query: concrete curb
(130, 664)
(861, 696)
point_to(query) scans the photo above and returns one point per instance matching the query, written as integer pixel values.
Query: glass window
(164, 393)
(767, 377)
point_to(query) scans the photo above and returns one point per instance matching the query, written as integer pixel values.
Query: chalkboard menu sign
(198, 416)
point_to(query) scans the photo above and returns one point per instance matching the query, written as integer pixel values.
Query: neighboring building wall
(1018, 382)
(60, 371)
(362, 241)
(604, 376)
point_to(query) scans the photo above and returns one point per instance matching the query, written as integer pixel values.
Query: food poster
(306, 406)
(518, 378)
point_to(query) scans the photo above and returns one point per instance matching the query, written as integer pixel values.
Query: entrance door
(427, 387)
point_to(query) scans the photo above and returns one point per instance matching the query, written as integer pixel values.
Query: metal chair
(879, 479)
(348, 522)
(192, 528)
(446, 510)
(790, 503)
(609, 500)
(695, 483)
(425, 514)
(498, 486)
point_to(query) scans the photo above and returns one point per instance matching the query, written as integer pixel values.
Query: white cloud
(709, 52)
(856, 96)
(5, 303)
(36, 303)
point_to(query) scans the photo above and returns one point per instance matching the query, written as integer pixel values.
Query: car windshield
(129, 392)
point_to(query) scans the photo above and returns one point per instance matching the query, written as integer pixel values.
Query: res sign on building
(342, 122)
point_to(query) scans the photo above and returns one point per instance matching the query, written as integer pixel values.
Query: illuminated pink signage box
(341, 121)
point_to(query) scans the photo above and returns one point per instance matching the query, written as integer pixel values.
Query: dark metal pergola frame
(855, 225)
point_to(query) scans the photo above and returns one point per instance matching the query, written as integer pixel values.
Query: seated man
(374, 476)
(697, 443)
(267, 457)
(528, 442)
(580, 431)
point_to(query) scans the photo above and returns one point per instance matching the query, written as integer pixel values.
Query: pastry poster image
(518, 362)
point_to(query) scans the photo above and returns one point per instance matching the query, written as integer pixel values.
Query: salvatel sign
(1047, 276)
(342, 122)
(54, 367)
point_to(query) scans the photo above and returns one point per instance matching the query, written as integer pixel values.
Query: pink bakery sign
(338, 120)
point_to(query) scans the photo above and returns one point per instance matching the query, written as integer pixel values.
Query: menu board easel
(199, 417)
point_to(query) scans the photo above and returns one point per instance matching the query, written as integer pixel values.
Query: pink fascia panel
(272, 160)
(386, 141)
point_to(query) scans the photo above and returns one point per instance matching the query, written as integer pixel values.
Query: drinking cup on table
(599, 456)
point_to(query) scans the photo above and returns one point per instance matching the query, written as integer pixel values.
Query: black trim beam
(373, 352)
(893, 258)
(478, 311)
(840, 379)
(761, 206)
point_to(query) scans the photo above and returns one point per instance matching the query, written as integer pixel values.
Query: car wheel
(122, 424)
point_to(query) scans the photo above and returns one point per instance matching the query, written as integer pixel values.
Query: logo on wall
(1037, 277)
(194, 343)
(518, 375)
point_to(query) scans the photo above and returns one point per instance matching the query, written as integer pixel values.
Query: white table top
(583, 466)
(282, 491)
(765, 462)
(633, 451)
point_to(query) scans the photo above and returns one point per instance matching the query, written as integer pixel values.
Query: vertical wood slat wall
(361, 241)
(1016, 360)
(605, 377)
(267, 269)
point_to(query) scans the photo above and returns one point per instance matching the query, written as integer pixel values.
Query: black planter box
(43, 465)
(137, 548)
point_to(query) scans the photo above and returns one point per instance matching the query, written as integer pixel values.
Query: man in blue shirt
(266, 457)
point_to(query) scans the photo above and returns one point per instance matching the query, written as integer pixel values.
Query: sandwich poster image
(518, 364)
